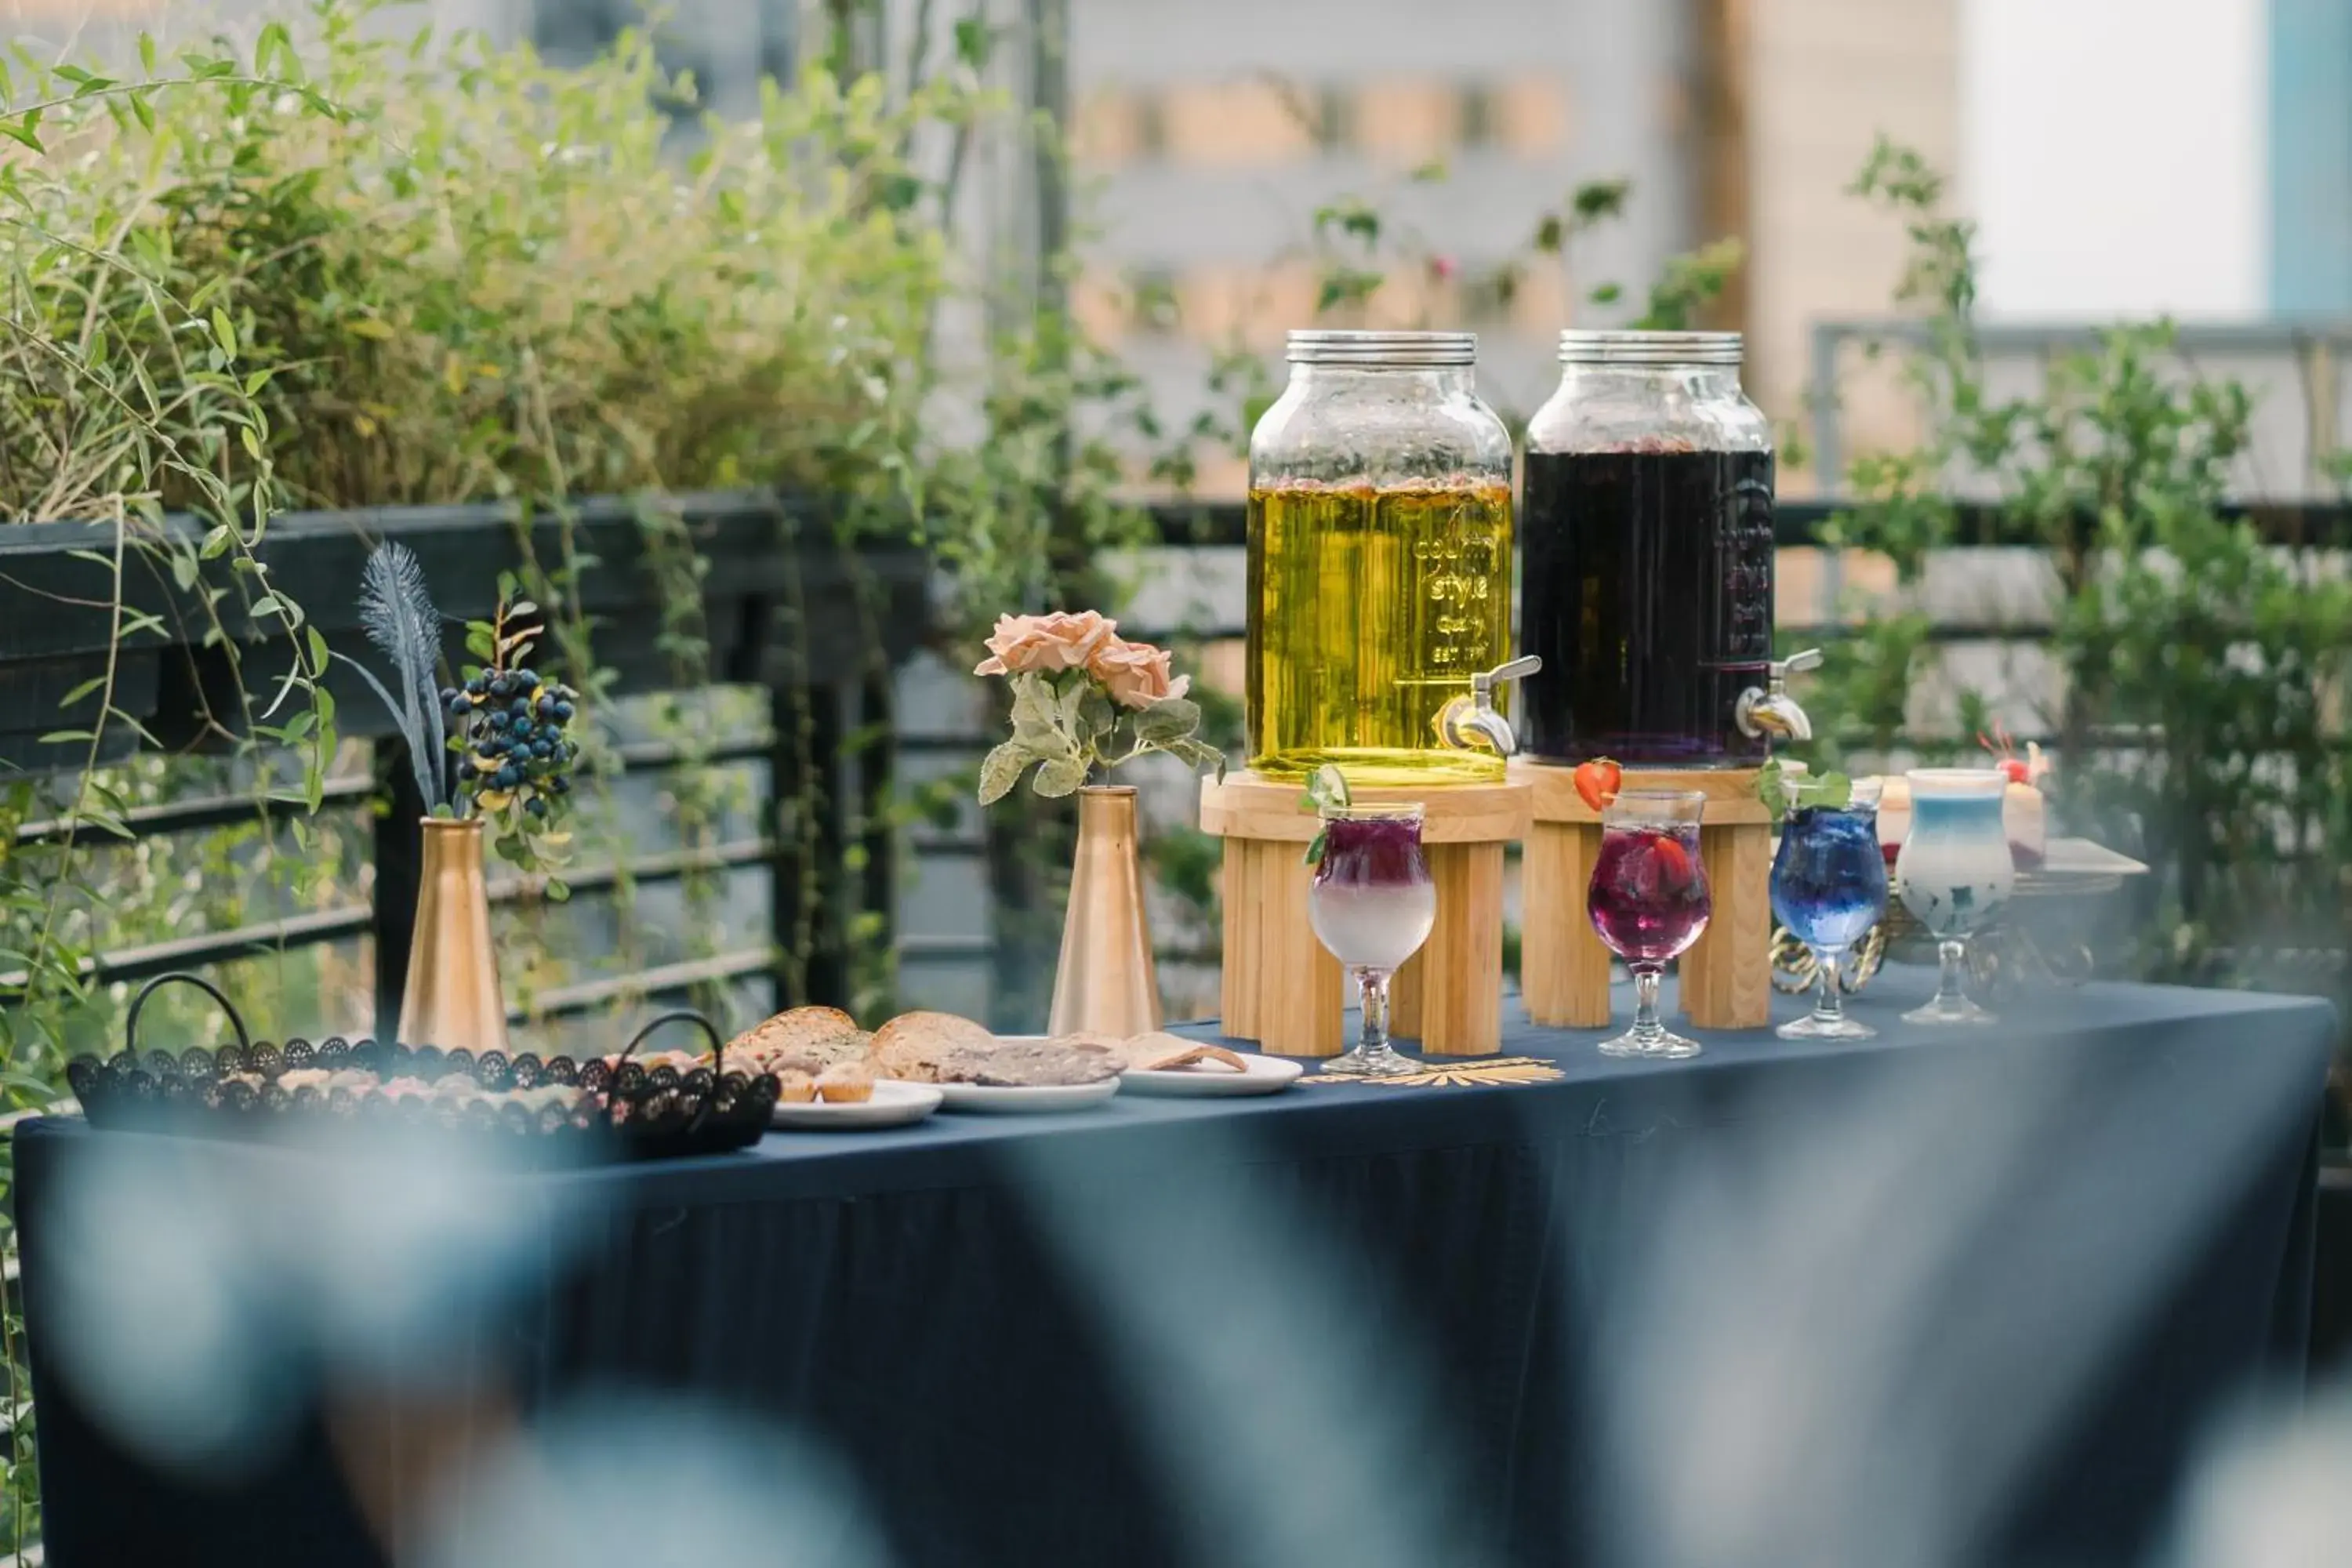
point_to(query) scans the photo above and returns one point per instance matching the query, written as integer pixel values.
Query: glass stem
(1830, 1007)
(1951, 954)
(1374, 984)
(1645, 1000)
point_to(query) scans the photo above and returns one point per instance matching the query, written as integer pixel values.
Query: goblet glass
(1829, 887)
(1649, 900)
(1372, 904)
(1955, 871)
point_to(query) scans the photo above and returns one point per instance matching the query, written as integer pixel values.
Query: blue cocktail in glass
(1829, 887)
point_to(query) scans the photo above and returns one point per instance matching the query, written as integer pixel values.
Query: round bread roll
(809, 1038)
(911, 1047)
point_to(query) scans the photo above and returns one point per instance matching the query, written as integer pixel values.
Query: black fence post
(812, 837)
(398, 854)
(877, 760)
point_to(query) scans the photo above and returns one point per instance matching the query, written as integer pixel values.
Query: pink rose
(1136, 673)
(1058, 641)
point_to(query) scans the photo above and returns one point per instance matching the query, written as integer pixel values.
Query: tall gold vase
(1108, 982)
(453, 999)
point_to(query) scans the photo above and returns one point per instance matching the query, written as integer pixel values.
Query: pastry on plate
(911, 1047)
(1162, 1052)
(795, 1088)
(845, 1083)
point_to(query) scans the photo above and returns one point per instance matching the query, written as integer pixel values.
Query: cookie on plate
(912, 1045)
(1162, 1052)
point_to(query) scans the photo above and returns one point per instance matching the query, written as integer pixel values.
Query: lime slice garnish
(1326, 789)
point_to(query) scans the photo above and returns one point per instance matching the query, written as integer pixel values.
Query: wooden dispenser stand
(1285, 991)
(1726, 976)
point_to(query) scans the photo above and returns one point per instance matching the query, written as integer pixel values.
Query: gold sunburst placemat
(1492, 1069)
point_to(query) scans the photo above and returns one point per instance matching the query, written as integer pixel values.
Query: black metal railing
(815, 624)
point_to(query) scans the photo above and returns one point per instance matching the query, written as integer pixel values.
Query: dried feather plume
(397, 613)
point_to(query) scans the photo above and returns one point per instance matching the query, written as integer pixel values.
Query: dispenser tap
(1768, 709)
(1471, 723)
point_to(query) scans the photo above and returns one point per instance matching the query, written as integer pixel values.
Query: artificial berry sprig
(510, 727)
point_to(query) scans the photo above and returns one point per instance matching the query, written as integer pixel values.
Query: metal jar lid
(1381, 350)
(1650, 348)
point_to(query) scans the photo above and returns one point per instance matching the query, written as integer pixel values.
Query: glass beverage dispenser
(1648, 584)
(1380, 564)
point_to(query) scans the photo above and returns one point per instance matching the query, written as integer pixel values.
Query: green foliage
(1067, 727)
(2201, 670)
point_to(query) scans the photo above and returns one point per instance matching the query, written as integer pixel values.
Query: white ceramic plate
(894, 1104)
(1265, 1075)
(1026, 1100)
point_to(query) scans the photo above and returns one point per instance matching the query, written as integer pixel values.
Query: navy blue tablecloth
(1784, 1302)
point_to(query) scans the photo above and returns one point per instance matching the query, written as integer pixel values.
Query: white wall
(2115, 155)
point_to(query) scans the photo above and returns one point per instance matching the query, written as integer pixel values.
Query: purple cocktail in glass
(1372, 904)
(1649, 900)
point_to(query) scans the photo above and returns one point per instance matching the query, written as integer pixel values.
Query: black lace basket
(617, 1109)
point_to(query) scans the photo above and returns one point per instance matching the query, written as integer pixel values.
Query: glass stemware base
(1657, 1042)
(1379, 1060)
(1648, 1038)
(1950, 1004)
(1828, 1020)
(1815, 1025)
(1949, 1010)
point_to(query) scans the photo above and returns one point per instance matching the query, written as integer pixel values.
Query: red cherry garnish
(2014, 769)
(1596, 781)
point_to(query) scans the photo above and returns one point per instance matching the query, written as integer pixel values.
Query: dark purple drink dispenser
(1646, 583)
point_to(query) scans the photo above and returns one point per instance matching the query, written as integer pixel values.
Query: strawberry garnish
(2013, 768)
(1596, 781)
(1673, 861)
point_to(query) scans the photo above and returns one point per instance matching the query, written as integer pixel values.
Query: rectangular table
(1988, 1284)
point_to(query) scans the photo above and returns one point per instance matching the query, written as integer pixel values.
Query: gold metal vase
(1108, 982)
(453, 1000)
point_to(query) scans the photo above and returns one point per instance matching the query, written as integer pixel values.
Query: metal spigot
(1471, 723)
(1768, 709)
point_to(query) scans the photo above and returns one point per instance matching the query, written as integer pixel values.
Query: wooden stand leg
(1405, 994)
(1239, 983)
(1726, 976)
(1461, 981)
(1563, 968)
(1281, 986)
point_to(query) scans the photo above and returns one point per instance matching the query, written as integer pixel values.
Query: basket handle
(682, 1015)
(182, 977)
